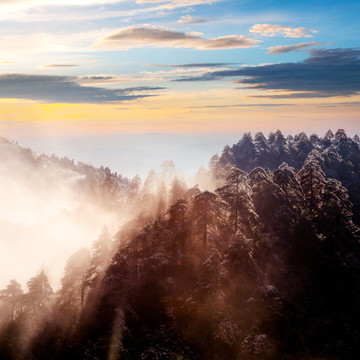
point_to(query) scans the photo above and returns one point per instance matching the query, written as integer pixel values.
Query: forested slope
(265, 267)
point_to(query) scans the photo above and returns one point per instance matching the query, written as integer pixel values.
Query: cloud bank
(131, 37)
(188, 19)
(63, 89)
(172, 4)
(326, 73)
(193, 65)
(279, 30)
(282, 49)
(54, 66)
(18, 5)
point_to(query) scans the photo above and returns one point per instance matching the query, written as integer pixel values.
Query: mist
(132, 154)
(48, 211)
(45, 214)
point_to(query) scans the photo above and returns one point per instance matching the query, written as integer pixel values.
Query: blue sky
(76, 68)
(36, 34)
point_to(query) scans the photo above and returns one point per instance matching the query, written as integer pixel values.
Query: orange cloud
(286, 31)
(131, 37)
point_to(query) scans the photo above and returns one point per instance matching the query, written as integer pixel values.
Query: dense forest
(264, 264)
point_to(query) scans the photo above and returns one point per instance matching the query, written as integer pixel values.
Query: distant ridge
(337, 154)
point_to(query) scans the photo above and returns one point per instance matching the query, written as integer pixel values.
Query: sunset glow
(172, 66)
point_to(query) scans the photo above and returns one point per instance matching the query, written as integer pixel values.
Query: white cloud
(282, 49)
(172, 4)
(188, 19)
(279, 30)
(50, 10)
(29, 46)
(131, 37)
(156, 76)
(54, 66)
(16, 5)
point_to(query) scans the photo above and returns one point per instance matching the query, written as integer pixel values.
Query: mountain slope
(265, 267)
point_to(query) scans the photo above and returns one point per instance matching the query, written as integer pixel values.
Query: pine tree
(336, 219)
(336, 201)
(39, 297)
(11, 301)
(209, 214)
(245, 152)
(261, 145)
(73, 289)
(100, 258)
(279, 142)
(329, 136)
(236, 192)
(285, 177)
(110, 185)
(116, 291)
(178, 213)
(315, 140)
(134, 186)
(279, 150)
(151, 182)
(312, 180)
(227, 156)
(302, 146)
(177, 189)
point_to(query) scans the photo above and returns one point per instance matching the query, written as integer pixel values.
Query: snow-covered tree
(244, 151)
(261, 144)
(328, 138)
(285, 177)
(73, 283)
(100, 258)
(312, 179)
(209, 214)
(357, 139)
(39, 296)
(237, 193)
(177, 189)
(11, 301)
(117, 282)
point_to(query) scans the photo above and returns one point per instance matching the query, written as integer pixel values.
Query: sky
(173, 77)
